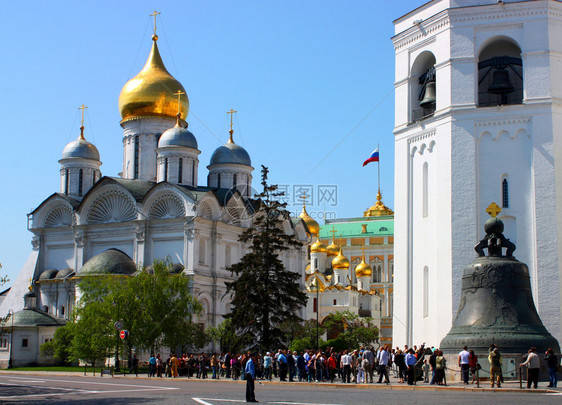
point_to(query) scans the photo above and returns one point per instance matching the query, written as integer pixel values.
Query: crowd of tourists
(363, 365)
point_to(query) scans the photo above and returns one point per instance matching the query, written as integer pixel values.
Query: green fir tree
(265, 294)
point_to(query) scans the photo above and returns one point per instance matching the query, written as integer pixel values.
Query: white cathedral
(478, 93)
(155, 209)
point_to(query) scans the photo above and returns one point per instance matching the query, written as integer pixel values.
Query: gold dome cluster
(363, 269)
(340, 262)
(311, 224)
(151, 92)
(332, 249)
(318, 247)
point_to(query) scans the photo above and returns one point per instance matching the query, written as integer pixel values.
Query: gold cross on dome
(303, 197)
(179, 94)
(231, 112)
(333, 232)
(83, 107)
(154, 14)
(493, 209)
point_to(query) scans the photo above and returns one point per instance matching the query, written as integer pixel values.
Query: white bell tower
(477, 120)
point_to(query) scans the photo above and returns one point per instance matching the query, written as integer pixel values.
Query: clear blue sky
(305, 76)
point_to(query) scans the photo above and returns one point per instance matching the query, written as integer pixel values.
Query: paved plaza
(68, 388)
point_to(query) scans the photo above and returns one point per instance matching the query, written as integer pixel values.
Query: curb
(371, 386)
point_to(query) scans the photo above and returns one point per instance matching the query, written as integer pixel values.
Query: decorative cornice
(515, 10)
(498, 27)
(421, 137)
(423, 43)
(503, 121)
(463, 15)
(417, 33)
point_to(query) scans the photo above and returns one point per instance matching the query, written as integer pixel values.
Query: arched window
(80, 176)
(500, 74)
(93, 177)
(62, 311)
(315, 263)
(234, 180)
(136, 158)
(193, 174)
(219, 180)
(166, 169)
(180, 171)
(45, 308)
(505, 194)
(423, 87)
(425, 190)
(66, 181)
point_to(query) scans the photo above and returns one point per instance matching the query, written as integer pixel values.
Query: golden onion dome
(340, 262)
(151, 92)
(312, 225)
(332, 249)
(379, 209)
(318, 247)
(363, 269)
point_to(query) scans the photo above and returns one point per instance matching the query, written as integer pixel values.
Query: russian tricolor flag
(374, 157)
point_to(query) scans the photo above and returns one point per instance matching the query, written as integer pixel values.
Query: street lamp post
(11, 313)
(317, 288)
(115, 303)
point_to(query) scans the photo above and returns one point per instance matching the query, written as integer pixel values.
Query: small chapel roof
(34, 317)
(110, 262)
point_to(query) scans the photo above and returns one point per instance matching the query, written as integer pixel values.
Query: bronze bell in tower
(429, 96)
(500, 82)
(496, 304)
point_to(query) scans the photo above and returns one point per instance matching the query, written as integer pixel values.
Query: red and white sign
(123, 334)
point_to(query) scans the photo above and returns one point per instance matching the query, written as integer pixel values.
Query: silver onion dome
(231, 153)
(80, 148)
(178, 136)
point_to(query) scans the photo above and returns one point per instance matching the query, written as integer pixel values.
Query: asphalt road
(51, 389)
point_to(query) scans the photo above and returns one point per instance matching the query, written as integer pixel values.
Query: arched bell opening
(423, 87)
(500, 74)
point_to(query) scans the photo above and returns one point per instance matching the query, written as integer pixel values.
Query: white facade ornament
(112, 206)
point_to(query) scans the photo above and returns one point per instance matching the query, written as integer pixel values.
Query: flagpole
(379, 169)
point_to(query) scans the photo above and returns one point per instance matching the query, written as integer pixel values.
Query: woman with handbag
(473, 365)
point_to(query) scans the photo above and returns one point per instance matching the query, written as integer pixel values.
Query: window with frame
(24, 342)
(136, 147)
(505, 193)
(66, 181)
(80, 181)
(180, 171)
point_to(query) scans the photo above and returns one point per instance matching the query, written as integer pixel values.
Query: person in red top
(332, 364)
(473, 365)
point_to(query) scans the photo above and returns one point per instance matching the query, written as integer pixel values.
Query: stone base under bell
(510, 368)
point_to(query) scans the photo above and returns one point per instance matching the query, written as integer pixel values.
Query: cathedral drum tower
(477, 119)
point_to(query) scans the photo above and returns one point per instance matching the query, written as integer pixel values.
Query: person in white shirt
(463, 363)
(383, 357)
(533, 364)
(345, 364)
